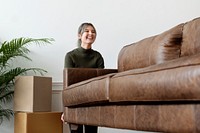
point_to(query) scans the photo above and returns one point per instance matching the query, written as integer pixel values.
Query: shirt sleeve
(100, 62)
(68, 61)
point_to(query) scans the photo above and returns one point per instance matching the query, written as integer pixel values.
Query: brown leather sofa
(155, 88)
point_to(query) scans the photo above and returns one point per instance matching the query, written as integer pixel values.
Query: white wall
(118, 22)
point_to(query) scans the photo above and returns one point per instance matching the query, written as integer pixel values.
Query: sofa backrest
(181, 40)
(153, 50)
(191, 38)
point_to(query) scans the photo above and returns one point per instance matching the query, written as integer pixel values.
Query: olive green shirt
(84, 58)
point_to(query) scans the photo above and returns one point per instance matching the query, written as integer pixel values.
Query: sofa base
(157, 118)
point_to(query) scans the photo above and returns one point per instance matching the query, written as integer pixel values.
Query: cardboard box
(38, 122)
(33, 94)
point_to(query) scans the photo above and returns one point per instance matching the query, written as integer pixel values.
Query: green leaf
(9, 51)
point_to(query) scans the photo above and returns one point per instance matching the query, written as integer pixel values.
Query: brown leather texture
(176, 80)
(88, 90)
(153, 50)
(145, 84)
(155, 88)
(75, 75)
(191, 38)
(175, 118)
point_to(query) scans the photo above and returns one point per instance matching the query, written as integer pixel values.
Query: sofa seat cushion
(176, 80)
(91, 91)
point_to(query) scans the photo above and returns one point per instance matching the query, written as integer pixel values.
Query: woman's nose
(90, 32)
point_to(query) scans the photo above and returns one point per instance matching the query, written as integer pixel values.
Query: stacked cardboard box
(32, 106)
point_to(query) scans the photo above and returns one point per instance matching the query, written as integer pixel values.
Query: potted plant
(9, 51)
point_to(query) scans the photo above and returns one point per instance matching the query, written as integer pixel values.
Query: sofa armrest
(75, 75)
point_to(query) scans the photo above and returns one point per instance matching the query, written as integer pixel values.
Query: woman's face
(88, 36)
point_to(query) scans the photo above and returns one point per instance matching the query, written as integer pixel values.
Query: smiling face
(87, 36)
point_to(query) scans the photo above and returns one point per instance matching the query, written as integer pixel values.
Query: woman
(84, 57)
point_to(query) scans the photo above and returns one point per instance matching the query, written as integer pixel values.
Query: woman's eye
(87, 31)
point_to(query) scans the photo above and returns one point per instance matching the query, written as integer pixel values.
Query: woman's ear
(79, 36)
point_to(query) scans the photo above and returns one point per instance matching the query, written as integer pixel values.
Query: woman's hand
(62, 117)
